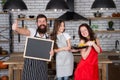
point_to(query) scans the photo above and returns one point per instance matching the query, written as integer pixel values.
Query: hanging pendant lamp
(99, 4)
(11, 5)
(57, 5)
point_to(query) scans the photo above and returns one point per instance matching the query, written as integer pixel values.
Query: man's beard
(42, 30)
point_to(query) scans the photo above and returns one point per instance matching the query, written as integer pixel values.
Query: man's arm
(22, 31)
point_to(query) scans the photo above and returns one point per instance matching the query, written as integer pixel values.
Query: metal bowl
(31, 16)
(97, 14)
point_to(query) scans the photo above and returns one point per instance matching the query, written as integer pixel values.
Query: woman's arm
(85, 51)
(97, 46)
(67, 48)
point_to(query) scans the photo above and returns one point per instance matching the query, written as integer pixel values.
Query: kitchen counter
(16, 62)
(112, 55)
(104, 53)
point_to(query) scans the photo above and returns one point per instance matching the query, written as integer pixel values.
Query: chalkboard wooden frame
(37, 48)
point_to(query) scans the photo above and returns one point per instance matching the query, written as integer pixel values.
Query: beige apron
(64, 59)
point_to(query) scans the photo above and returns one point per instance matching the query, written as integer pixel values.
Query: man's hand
(15, 25)
(51, 52)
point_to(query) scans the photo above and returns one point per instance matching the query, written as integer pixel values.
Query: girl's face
(84, 31)
(61, 28)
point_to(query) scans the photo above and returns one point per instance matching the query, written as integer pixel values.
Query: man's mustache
(42, 30)
(42, 25)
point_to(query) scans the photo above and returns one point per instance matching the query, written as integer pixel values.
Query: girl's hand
(74, 50)
(90, 43)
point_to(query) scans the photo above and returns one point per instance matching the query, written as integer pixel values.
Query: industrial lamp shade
(103, 4)
(11, 5)
(57, 5)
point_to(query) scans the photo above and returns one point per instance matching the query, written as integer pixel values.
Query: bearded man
(34, 69)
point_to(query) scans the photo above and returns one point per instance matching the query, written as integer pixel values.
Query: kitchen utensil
(77, 47)
(21, 16)
(98, 14)
(31, 16)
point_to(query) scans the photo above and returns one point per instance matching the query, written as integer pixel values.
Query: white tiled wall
(83, 7)
(4, 31)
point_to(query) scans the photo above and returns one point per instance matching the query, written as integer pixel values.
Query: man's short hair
(41, 16)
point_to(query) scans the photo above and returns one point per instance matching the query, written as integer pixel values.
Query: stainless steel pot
(98, 14)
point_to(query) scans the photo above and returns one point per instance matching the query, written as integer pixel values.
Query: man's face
(42, 25)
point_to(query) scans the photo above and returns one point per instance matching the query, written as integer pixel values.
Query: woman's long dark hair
(53, 35)
(90, 31)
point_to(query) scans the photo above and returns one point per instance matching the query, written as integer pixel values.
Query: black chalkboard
(37, 48)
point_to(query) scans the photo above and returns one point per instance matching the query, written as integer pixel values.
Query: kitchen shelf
(98, 18)
(3, 12)
(107, 31)
(90, 18)
(103, 18)
(4, 41)
(5, 55)
(19, 19)
(4, 27)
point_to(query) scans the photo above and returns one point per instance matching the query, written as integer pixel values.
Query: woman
(64, 58)
(87, 69)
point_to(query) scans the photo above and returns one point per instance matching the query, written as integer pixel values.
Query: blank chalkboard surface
(37, 48)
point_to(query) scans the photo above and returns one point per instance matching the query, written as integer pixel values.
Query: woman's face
(84, 31)
(61, 28)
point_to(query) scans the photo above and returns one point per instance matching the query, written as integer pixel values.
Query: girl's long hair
(56, 27)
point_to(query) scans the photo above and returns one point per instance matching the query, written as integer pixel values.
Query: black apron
(35, 69)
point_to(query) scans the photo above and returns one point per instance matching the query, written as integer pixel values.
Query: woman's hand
(75, 50)
(90, 43)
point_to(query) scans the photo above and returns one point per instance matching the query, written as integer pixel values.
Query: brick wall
(83, 8)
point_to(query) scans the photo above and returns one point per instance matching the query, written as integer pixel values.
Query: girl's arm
(97, 46)
(67, 48)
(85, 51)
